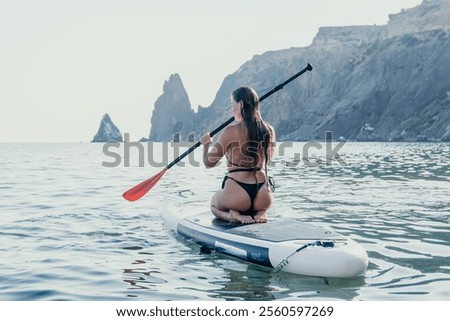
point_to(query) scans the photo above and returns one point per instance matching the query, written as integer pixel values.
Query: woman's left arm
(272, 143)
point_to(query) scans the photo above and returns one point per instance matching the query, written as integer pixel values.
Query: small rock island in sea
(108, 132)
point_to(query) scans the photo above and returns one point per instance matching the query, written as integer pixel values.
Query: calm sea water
(67, 234)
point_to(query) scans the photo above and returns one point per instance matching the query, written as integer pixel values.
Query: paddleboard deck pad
(282, 243)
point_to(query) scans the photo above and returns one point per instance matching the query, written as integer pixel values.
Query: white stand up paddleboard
(282, 243)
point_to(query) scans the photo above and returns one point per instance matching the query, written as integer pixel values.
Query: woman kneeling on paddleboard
(248, 145)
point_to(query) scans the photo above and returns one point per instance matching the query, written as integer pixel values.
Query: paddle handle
(280, 86)
(229, 121)
(190, 150)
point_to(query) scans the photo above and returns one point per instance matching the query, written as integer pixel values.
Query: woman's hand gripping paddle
(136, 192)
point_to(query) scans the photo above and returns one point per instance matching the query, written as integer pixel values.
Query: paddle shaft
(229, 121)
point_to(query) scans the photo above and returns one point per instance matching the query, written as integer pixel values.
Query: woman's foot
(261, 217)
(221, 215)
(233, 216)
(238, 217)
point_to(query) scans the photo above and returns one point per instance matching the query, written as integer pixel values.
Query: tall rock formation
(388, 82)
(172, 114)
(107, 132)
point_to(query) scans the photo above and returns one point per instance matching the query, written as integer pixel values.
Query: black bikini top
(243, 168)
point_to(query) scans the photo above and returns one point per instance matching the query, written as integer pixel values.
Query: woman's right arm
(213, 153)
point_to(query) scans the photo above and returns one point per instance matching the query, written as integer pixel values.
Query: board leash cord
(285, 261)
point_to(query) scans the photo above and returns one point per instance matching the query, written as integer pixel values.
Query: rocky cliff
(431, 15)
(107, 132)
(387, 82)
(172, 115)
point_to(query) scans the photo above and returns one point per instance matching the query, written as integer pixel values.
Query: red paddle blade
(135, 193)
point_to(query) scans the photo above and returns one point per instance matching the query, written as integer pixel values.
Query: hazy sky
(63, 64)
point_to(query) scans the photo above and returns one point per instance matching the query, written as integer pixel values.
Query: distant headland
(369, 83)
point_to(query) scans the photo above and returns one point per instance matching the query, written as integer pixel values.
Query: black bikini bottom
(252, 191)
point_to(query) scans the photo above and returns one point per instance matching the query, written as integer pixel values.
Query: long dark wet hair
(260, 134)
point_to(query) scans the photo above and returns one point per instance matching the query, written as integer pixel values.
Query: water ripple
(66, 233)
